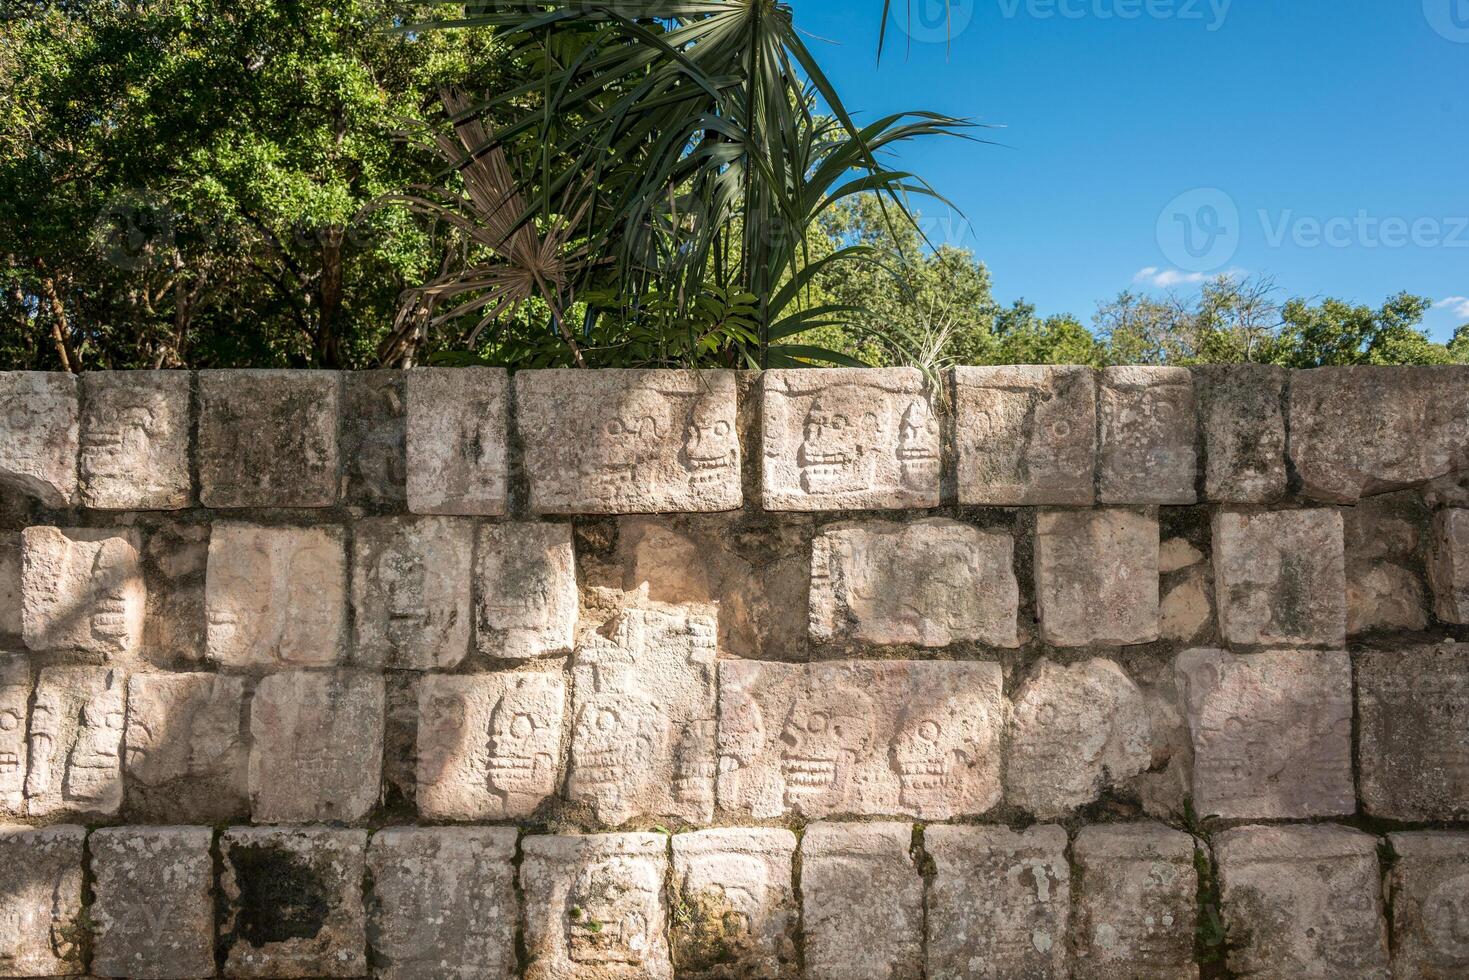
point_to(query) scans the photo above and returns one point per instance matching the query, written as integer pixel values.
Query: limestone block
(268, 438)
(527, 600)
(15, 713)
(1241, 406)
(1271, 732)
(42, 929)
(411, 592)
(444, 903)
(1448, 566)
(291, 902)
(1186, 610)
(83, 589)
(175, 566)
(1359, 431)
(594, 907)
(1137, 902)
(1026, 435)
(736, 915)
(489, 745)
(10, 587)
(187, 748)
(863, 901)
(1429, 884)
(1447, 491)
(1281, 577)
(1302, 902)
(374, 438)
(276, 596)
(1073, 732)
(76, 742)
(629, 442)
(930, 583)
(1146, 453)
(1176, 554)
(135, 440)
(1413, 732)
(457, 439)
(317, 746)
(849, 439)
(1385, 587)
(1096, 577)
(401, 691)
(39, 426)
(859, 737)
(999, 902)
(154, 902)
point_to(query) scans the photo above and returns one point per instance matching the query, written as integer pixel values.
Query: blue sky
(1136, 130)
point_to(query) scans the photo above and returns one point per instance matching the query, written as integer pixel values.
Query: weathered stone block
(76, 742)
(860, 738)
(39, 425)
(10, 583)
(1429, 885)
(411, 592)
(1137, 902)
(849, 439)
(291, 902)
(1187, 608)
(1302, 902)
(175, 567)
(458, 439)
(1448, 566)
(999, 902)
(863, 901)
(135, 440)
(526, 590)
(930, 583)
(1281, 577)
(489, 745)
(736, 915)
(1272, 733)
(187, 748)
(276, 596)
(1385, 589)
(1244, 431)
(317, 746)
(1026, 435)
(594, 907)
(82, 589)
(1146, 453)
(42, 929)
(1413, 732)
(374, 438)
(1096, 577)
(154, 902)
(15, 712)
(444, 903)
(268, 438)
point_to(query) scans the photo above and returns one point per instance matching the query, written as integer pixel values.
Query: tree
(1334, 332)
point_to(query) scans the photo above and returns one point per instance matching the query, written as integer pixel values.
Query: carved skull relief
(826, 732)
(918, 445)
(616, 737)
(611, 909)
(710, 449)
(525, 739)
(840, 440)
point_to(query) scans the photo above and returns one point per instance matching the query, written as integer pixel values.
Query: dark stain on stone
(282, 896)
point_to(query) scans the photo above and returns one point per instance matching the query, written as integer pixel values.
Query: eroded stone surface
(153, 902)
(268, 438)
(1413, 732)
(135, 440)
(526, 603)
(411, 592)
(1281, 577)
(76, 742)
(629, 442)
(1448, 566)
(1096, 577)
(1137, 902)
(444, 903)
(736, 915)
(863, 902)
(1271, 732)
(860, 738)
(999, 902)
(175, 566)
(1429, 884)
(849, 439)
(1384, 585)
(83, 589)
(10, 587)
(457, 437)
(39, 426)
(42, 930)
(374, 438)
(187, 748)
(1241, 406)
(15, 713)
(1146, 453)
(1186, 610)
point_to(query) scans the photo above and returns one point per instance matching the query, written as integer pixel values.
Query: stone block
(594, 907)
(1075, 731)
(175, 567)
(1281, 577)
(1413, 732)
(850, 439)
(489, 745)
(1302, 902)
(10, 583)
(1186, 610)
(1429, 886)
(276, 596)
(931, 583)
(153, 902)
(76, 742)
(1096, 577)
(999, 902)
(1385, 589)
(39, 426)
(1137, 902)
(1448, 566)
(859, 738)
(42, 926)
(458, 441)
(374, 438)
(268, 438)
(863, 902)
(1242, 408)
(1271, 732)
(291, 902)
(736, 914)
(317, 746)
(1027, 435)
(187, 748)
(135, 440)
(83, 590)
(15, 712)
(444, 903)
(1148, 429)
(526, 595)
(411, 592)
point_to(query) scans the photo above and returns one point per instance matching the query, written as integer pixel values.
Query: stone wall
(1140, 673)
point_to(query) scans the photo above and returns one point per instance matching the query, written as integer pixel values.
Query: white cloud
(1168, 278)
(1458, 305)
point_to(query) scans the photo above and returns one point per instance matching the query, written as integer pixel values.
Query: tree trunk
(328, 334)
(60, 326)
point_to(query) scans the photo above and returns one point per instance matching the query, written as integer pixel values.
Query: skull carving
(918, 446)
(611, 910)
(12, 747)
(614, 742)
(525, 733)
(710, 448)
(95, 764)
(728, 900)
(113, 592)
(933, 747)
(626, 441)
(839, 445)
(825, 734)
(119, 436)
(45, 735)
